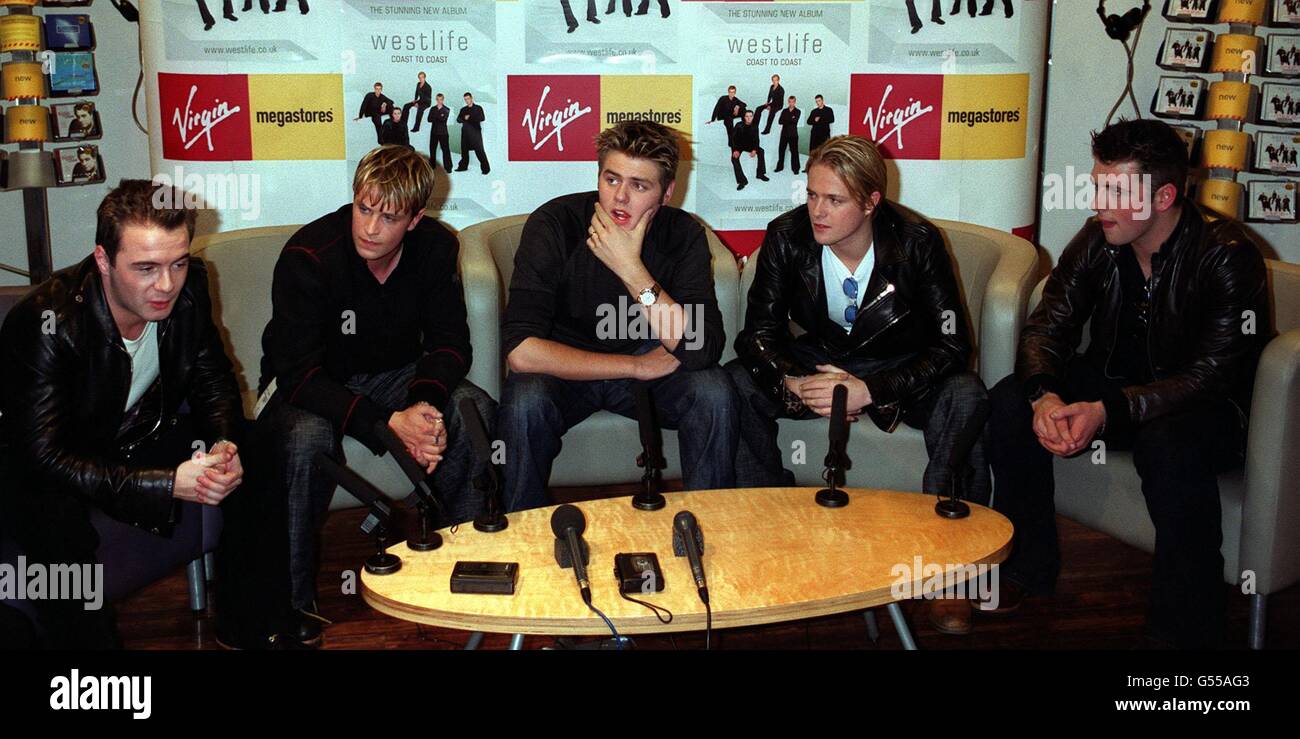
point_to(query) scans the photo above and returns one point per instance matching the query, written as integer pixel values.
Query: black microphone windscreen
(684, 520)
(839, 422)
(566, 517)
(478, 437)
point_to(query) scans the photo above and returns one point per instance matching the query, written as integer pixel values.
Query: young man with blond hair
(874, 290)
(622, 251)
(368, 326)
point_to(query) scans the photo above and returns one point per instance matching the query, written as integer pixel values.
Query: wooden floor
(1099, 604)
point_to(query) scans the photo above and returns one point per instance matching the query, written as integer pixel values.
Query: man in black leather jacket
(1178, 308)
(874, 289)
(94, 365)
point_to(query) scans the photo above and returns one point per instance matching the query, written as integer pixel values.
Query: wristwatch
(649, 295)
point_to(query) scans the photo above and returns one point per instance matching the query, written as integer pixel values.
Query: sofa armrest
(1003, 314)
(726, 284)
(1271, 510)
(483, 303)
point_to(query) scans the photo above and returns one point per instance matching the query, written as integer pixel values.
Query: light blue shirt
(834, 273)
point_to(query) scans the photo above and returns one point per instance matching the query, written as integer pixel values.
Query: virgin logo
(538, 121)
(200, 123)
(892, 120)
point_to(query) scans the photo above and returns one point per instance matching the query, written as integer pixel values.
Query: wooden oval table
(770, 555)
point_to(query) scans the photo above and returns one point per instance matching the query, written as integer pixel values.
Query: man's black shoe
(1011, 595)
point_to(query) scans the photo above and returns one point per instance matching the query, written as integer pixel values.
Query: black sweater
(331, 319)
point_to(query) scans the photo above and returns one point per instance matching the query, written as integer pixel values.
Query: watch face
(647, 297)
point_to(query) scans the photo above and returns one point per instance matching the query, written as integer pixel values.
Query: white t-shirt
(144, 362)
(834, 273)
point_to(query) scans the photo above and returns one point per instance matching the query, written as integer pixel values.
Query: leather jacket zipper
(889, 290)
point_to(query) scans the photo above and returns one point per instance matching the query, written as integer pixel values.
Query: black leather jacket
(1203, 280)
(904, 310)
(64, 379)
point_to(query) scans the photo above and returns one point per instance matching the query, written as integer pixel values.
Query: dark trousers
(302, 6)
(730, 126)
(627, 7)
(1007, 10)
(568, 12)
(265, 5)
(740, 174)
(1178, 457)
(792, 143)
(299, 435)
(956, 7)
(53, 527)
(771, 114)
(440, 141)
(472, 140)
(816, 138)
(227, 8)
(942, 415)
(537, 410)
(419, 113)
(663, 8)
(936, 13)
(378, 120)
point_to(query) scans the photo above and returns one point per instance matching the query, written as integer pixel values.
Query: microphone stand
(381, 562)
(651, 458)
(492, 519)
(952, 507)
(650, 499)
(426, 503)
(832, 496)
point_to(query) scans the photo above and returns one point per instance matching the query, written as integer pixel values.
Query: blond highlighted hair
(857, 162)
(395, 177)
(641, 140)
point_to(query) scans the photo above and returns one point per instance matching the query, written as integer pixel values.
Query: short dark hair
(818, 97)
(140, 202)
(468, 95)
(1153, 145)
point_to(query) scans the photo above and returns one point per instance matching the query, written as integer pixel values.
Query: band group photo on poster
(228, 10)
(594, 18)
(744, 137)
(394, 123)
(972, 9)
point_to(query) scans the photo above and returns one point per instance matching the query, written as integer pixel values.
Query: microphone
(689, 542)
(491, 519)
(429, 539)
(568, 523)
(953, 507)
(652, 452)
(377, 522)
(837, 457)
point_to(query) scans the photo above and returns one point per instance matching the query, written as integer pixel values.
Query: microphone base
(831, 498)
(952, 508)
(383, 563)
(490, 524)
(426, 543)
(648, 501)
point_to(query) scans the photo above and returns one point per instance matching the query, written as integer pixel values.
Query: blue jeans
(300, 435)
(536, 411)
